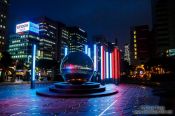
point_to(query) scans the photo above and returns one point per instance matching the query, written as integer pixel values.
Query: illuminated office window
(134, 40)
(134, 36)
(135, 45)
(134, 32)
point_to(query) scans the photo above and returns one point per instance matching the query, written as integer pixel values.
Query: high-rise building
(139, 44)
(77, 39)
(63, 40)
(53, 38)
(48, 33)
(20, 44)
(127, 53)
(3, 23)
(164, 25)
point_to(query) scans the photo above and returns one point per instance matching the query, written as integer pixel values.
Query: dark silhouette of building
(3, 23)
(163, 12)
(139, 44)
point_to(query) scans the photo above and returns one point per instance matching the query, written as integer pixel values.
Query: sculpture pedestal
(88, 89)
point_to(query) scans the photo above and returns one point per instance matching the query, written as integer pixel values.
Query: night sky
(111, 18)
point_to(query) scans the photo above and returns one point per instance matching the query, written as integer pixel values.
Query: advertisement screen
(27, 26)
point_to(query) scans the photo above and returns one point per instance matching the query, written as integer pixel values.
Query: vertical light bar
(102, 63)
(33, 62)
(110, 64)
(65, 51)
(118, 64)
(86, 49)
(89, 52)
(113, 65)
(115, 60)
(107, 65)
(101, 49)
(95, 57)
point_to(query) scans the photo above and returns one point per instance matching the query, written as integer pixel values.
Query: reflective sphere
(77, 68)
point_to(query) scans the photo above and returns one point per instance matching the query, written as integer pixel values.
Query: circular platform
(66, 90)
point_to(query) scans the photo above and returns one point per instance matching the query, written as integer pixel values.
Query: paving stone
(20, 100)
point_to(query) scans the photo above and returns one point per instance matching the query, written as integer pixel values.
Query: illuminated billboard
(27, 26)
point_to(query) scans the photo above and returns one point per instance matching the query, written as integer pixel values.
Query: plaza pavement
(20, 100)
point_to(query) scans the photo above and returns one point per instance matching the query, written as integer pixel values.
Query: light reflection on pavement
(20, 100)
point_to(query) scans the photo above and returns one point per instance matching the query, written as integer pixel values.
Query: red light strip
(104, 64)
(116, 64)
(119, 63)
(113, 65)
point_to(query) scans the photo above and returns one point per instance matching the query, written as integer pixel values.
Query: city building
(48, 34)
(54, 38)
(77, 39)
(63, 40)
(127, 53)
(3, 23)
(163, 12)
(139, 44)
(20, 44)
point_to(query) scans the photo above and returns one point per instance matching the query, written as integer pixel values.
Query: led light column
(102, 63)
(115, 61)
(65, 51)
(107, 65)
(33, 65)
(89, 52)
(95, 58)
(113, 65)
(86, 49)
(110, 64)
(118, 63)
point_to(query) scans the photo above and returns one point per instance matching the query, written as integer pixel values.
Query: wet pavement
(20, 100)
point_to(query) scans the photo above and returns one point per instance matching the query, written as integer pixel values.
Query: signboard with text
(27, 26)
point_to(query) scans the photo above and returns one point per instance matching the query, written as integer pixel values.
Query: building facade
(77, 39)
(48, 34)
(139, 44)
(3, 23)
(163, 12)
(20, 44)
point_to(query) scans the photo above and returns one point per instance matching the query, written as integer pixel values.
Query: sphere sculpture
(77, 68)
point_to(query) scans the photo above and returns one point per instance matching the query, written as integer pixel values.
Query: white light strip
(33, 62)
(102, 62)
(110, 65)
(95, 57)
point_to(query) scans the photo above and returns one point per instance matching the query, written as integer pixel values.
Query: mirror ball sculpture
(77, 68)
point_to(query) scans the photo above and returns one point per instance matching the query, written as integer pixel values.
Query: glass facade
(20, 46)
(77, 39)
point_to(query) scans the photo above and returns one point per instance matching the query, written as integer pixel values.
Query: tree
(47, 64)
(5, 62)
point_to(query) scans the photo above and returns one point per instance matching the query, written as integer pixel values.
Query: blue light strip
(95, 57)
(65, 51)
(107, 65)
(86, 49)
(110, 60)
(33, 62)
(101, 49)
(89, 52)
